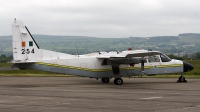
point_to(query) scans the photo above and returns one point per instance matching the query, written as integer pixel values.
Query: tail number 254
(27, 51)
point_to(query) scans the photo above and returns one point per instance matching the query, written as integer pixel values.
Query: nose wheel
(118, 81)
(181, 79)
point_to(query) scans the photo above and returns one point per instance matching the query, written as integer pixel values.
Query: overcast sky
(102, 18)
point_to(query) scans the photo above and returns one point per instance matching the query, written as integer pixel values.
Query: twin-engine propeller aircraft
(104, 65)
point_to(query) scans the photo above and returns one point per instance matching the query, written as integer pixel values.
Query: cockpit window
(164, 58)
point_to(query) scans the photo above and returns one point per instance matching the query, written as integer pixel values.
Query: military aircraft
(103, 65)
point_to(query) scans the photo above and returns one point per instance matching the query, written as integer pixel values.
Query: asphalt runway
(75, 94)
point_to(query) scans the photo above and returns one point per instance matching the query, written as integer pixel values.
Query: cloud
(102, 18)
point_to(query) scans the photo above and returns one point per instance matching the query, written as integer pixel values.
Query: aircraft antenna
(99, 52)
(117, 50)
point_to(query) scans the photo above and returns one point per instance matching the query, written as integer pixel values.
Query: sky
(102, 18)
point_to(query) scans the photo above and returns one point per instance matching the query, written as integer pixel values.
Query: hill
(183, 43)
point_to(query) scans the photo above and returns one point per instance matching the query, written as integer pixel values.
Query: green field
(34, 73)
(5, 65)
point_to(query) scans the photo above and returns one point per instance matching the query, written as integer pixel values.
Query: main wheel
(118, 81)
(105, 80)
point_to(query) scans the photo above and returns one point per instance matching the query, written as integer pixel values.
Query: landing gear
(181, 79)
(118, 81)
(105, 80)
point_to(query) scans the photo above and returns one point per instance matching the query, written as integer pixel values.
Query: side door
(154, 65)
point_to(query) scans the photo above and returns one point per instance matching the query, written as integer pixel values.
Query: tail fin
(25, 49)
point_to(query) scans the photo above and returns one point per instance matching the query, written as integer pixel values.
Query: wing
(143, 54)
(128, 54)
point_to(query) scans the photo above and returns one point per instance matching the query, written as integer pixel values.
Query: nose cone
(187, 67)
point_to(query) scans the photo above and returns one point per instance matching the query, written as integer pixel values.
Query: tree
(197, 55)
(175, 57)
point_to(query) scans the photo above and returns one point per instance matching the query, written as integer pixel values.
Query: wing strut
(142, 66)
(115, 68)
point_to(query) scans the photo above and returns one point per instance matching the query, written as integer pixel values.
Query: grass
(23, 72)
(172, 76)
(196, 64)
(5, 65)
(34, 75)
(30, 73)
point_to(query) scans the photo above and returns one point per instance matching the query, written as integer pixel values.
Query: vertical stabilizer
(25, 49)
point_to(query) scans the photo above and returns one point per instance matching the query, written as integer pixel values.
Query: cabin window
(154, 59)
(164, 58)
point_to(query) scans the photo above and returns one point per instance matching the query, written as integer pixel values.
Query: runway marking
(150, 98)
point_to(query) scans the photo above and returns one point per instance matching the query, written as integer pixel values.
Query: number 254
(27, 51)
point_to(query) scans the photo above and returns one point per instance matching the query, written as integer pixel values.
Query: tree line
(5, 59)
(195, 56)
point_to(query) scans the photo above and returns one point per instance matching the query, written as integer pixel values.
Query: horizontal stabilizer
(23, 61)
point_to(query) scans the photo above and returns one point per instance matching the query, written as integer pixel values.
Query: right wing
(128, 54)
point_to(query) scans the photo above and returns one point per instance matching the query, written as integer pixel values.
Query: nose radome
(187, 67)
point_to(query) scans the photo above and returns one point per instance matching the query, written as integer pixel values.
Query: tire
(118, 81)
(181, 79)
(105, 80)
